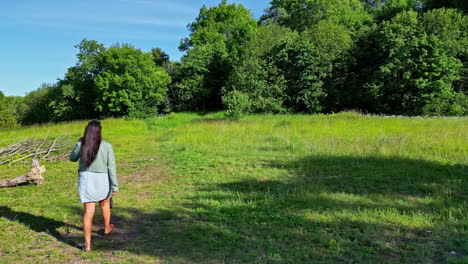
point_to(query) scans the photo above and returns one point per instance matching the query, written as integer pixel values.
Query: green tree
(7, 117)
(309, 63)
(256, 73)
(38, 105)
(129, 83)
(460, 4)
(117, 81)
(418, 73)
(393, 7)
(160, 57)
(16, 106)
(450, 26)
(301, 14)
(365, 59)
(212, 49)
(286, 71)
(75, 97)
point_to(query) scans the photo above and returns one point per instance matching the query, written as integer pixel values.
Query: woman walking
(97, 177)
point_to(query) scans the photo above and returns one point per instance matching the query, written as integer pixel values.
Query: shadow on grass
(40, 224)
(377, 175)
(325, 209)
(329, 210)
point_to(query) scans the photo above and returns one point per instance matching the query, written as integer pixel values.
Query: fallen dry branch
(34, 175)
(25, 149)
(51, 148)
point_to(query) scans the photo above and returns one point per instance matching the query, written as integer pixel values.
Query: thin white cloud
(172, 7)
(75, 20)
(152, 21)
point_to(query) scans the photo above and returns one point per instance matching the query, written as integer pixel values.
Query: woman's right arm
(76, 152)
(111, 170)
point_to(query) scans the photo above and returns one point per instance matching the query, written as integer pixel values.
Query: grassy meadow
(195, 188)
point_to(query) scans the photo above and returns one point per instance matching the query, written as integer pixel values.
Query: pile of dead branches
(45, 149)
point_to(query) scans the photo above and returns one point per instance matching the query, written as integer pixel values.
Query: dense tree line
(404, 57)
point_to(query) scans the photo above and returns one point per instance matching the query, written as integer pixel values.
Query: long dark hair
(90, 142)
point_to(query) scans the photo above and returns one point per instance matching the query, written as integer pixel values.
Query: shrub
(7, 119)
(237, 104)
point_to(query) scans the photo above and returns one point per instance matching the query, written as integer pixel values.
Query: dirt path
(138, 182)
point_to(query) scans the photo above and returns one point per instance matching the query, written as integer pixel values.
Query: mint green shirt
(104, 162)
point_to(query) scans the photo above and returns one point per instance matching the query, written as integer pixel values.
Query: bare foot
(109, 230)
(84, 248)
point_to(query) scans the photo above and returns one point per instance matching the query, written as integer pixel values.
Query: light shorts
(93, 186)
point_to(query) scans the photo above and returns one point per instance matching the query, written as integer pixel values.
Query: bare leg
(88, 216)
(106, 213)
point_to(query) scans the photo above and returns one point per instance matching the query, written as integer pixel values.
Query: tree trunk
(34, 175)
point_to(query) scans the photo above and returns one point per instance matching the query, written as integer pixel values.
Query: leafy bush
(38, 109)
(237, 104)
(7, 118)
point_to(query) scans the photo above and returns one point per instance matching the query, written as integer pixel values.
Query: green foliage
(193, 92)
(385, 56)
(450, 26)
(288, 71)
(130, 82)
(38, 105)
(118, 81)
(301, 14)
(433, 4)
(76, 94)
(330, 47)
(446, 103)
(418, 73)
(296, 64)
(365, 59)
(393, 7)
(237, 104)
(212, 49)
(12, 109)
(257, 75)
(160, 57)
(7, 117)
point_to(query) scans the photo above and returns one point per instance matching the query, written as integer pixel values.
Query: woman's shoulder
(106, 144)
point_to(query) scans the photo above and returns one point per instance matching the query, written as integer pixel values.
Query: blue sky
(38, 37)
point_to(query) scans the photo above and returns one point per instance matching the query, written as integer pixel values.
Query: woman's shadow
(40, 224)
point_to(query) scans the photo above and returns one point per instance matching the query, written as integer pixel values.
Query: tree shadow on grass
(325, 210)
(377, 175)
(40, 224)
(328, 210)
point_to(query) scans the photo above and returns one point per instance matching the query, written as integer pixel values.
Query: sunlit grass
(265, 189)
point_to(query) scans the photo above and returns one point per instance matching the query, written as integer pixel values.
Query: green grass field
(195, 188)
